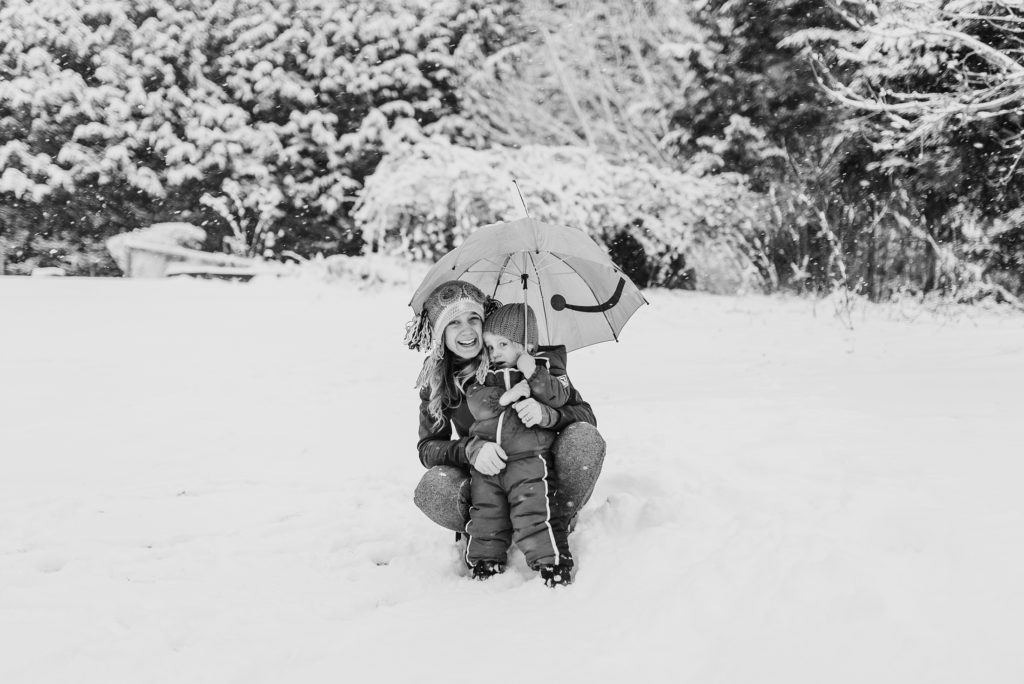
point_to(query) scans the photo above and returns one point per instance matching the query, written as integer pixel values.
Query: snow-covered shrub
(116, 114)
(701, 232)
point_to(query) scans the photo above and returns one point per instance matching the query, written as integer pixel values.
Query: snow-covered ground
(211, 482)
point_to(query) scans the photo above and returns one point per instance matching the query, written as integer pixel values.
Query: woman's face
(464, 335)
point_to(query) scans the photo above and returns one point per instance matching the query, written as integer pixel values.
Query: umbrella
(579, 296)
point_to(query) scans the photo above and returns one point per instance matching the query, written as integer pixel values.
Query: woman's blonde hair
(446, 381)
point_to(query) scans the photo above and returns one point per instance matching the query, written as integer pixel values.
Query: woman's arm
(532, 413)
(575, 409)
(549, 384)
(436, 446)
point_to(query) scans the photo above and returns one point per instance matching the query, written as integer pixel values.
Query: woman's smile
(468, 342)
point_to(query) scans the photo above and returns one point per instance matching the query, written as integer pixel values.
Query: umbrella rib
(544, 268)
(501, 270)
(501, 267)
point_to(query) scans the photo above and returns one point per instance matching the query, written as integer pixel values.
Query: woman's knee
(579, 456)
(579, 445)
(443, 496)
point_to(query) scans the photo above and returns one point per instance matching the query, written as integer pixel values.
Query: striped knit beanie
(507, 321)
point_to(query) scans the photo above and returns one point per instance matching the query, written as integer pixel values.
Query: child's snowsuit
(517, 502)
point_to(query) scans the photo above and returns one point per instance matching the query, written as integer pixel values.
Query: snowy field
(212, 482)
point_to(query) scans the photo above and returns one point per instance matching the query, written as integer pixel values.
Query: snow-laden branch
(980, 48)
(883, 67)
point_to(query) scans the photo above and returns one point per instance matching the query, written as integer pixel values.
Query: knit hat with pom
(447, 302)
(508, 322)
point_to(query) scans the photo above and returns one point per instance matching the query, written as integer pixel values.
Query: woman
(450, 328)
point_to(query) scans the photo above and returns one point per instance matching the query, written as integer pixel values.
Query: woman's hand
(530, 412)
(490, 460)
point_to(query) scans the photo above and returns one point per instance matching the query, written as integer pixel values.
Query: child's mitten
(520, 390)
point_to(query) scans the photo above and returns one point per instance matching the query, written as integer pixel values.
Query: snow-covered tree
(603, 74)
(663, 227)
(119, 113)
(937, 135)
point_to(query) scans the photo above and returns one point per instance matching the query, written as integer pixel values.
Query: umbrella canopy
(578, 295)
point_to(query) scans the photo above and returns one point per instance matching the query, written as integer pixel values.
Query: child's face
(503, 352)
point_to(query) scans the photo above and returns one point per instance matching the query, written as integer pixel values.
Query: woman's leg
(443, 495)
(579, 455)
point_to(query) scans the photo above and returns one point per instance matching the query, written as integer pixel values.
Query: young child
(515, 503)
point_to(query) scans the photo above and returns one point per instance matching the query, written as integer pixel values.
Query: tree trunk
(869, 277)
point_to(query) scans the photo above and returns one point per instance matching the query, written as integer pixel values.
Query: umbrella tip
(515, 182)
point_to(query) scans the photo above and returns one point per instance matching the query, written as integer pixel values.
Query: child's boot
(485, 569)
(556, 575)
